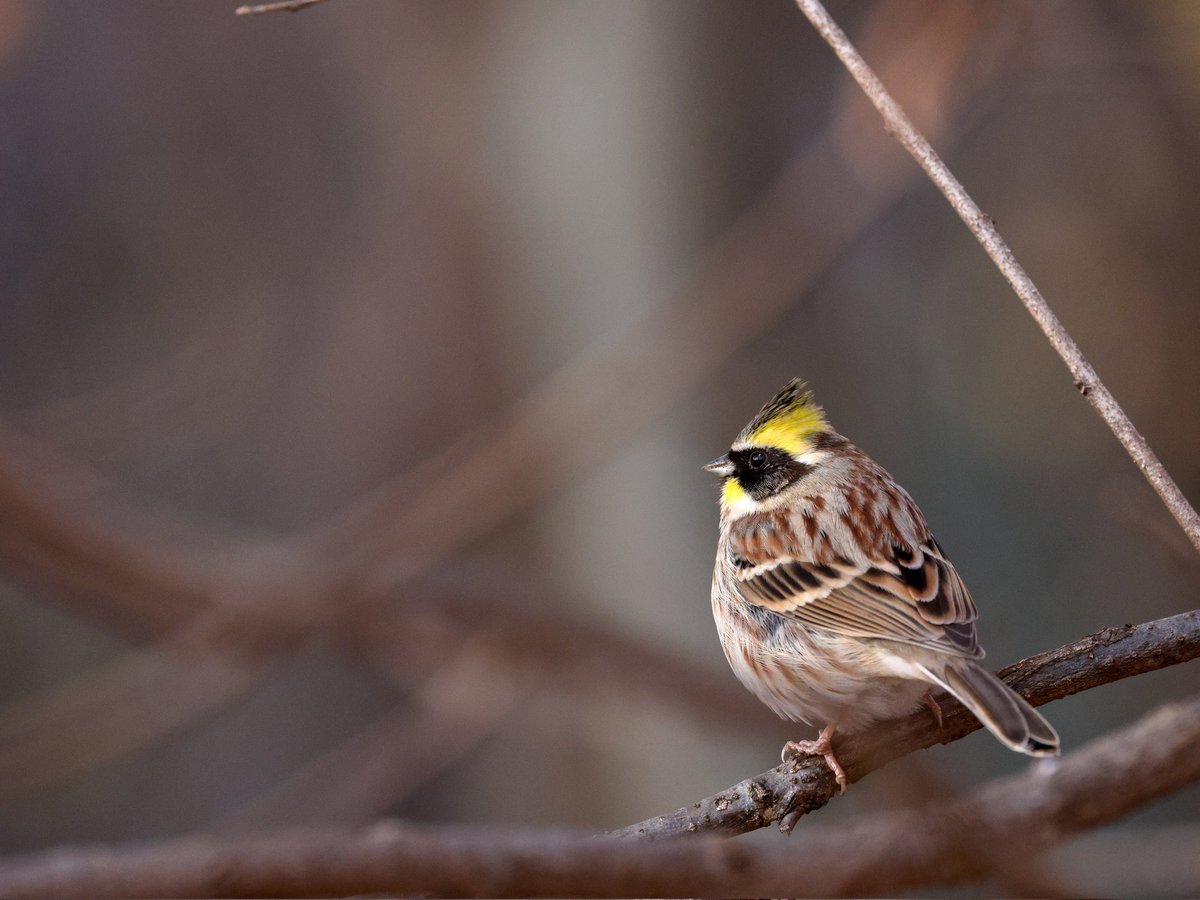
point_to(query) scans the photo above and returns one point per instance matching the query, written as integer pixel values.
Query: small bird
(834, 604)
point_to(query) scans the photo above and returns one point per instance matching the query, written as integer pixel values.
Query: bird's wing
(900, 593)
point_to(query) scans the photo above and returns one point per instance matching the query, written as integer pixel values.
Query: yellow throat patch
(732, 492)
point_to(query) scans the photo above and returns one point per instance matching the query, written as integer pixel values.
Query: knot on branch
(1109, 636)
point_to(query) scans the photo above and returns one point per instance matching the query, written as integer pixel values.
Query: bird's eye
(757, 459)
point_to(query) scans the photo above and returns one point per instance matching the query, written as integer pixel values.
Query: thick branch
(1087, 381)
(897, 851)
(792, 789)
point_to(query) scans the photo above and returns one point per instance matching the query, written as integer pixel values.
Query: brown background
(256, 273)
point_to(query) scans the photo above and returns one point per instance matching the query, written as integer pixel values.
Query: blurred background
(357, 367)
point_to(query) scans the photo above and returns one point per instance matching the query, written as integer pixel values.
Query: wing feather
(908, 593)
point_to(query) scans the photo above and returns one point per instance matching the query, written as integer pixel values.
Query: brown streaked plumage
(834, 603)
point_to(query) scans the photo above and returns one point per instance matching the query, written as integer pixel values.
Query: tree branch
(790, 790)
(984, 228)
(896, 851)
(281, 6)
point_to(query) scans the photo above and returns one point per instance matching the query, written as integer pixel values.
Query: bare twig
(903, 850)
(790, 790)
(282, 6)
(1086, 380)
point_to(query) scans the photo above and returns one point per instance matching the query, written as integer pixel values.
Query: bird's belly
(819, 677)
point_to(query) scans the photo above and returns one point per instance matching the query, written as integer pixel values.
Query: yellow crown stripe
(792, 431)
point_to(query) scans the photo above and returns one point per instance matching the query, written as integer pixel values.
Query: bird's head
(786, 440)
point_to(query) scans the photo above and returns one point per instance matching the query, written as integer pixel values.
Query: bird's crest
(788, 422)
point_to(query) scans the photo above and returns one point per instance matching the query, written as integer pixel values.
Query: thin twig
(893, 852)
(1086, 380)
(282, 6)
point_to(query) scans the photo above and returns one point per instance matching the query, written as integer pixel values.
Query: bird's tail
(1002, 710)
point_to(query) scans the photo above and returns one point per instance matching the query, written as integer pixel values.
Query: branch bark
(898, 124)
(792, 789)
(897, 851)
(281, 6)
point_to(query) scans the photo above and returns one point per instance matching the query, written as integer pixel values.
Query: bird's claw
(823, 747)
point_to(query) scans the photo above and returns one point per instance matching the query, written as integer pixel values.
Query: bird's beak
(722, 466)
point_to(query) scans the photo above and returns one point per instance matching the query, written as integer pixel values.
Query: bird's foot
(823, 747)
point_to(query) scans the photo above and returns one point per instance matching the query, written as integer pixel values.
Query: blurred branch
(1087, 381)
(282, 6)
(1162, 861)
(443, 720)
(575, 653)
(466, 649)
(915, 781)
(326, 578)
(790, 790)
(45, 540)
(739, 286)
(137, 700)
(924, 847)
(1127, 502)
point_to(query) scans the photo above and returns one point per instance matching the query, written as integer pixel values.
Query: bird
(834, 604)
